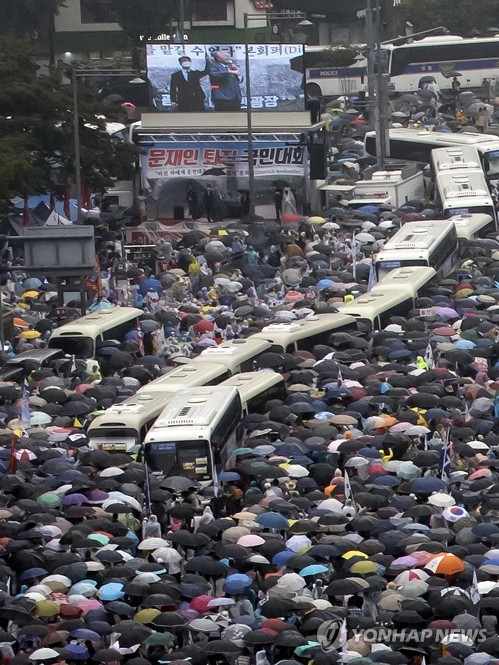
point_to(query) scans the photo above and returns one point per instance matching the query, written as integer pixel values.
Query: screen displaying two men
(195, 78)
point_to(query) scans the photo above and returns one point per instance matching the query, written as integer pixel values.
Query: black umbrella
(179, 483)
(188, 539)
(206, 566)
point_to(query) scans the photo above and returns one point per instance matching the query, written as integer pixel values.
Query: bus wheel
(313, 91)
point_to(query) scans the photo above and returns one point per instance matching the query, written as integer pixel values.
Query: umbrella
(445, 563)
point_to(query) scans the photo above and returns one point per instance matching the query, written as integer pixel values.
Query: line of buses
(188, 421)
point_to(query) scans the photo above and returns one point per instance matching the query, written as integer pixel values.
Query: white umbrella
(365, 237)
(166, 555)
(332, 505)
(152, 544)
(44, 654)
(298, 543)
(292, 582)
(442, 500)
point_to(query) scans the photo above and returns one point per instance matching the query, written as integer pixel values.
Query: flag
(86, 201)
(445, 469)
(428, 356)
(354, 256)
(339, 380)
(467, 414)
(343, 639)
(474, 594)
(425, 442)
(372, 277)
(67, 208)
(397, 3)
(12, 456)
(26, 217)
(140, 338)
(52, 201)
(177, 36)
(73, 364)
(347, 488)
(348, 494)
(25, 411)
(77, 422)
(94, 281)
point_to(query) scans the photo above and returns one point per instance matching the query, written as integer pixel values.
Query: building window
(98, 11)
(212, 13)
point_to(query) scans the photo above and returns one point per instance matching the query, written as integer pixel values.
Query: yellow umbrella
(30, 294)
(349, 555)
(29, 334)
(146, 615)
(46, 608)
(316, 219)
(364, 567)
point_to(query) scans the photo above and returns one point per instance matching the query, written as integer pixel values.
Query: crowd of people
(359, 524)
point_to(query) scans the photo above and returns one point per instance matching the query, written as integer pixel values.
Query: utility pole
(382, 135)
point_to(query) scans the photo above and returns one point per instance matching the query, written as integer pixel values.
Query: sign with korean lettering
(198, 159)
(212, 77)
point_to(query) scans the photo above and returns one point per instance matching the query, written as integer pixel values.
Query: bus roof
(420, 235)
(412, 278)
(283, 334)
(455, 157)
(143, 406)
(250, 384)
(371, 305)
(465, 184)
(231, 354)
(185, 376)
(469, 226)
(195, 407)
(443, 138)
(92, 324)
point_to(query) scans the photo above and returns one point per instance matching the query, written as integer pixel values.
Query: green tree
(143, 21)
(36, 131)
(30, 19)
(460, 18)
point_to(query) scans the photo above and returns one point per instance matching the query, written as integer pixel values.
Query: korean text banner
(212, 77)
(194, 160)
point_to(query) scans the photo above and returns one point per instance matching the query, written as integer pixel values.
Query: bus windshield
(186, 458)
(385, 267)
(492, 157)
(81, 347)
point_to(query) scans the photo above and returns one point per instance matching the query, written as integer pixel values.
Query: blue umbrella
(243, 451)
(272, 521)
(31, 283)
(314, 569)
(228, 476)
(281, 558)
(484, 530)
(85, 634)
(151, 283)
(427, 485)
(386, 481)
(31, 573)
(237, 583)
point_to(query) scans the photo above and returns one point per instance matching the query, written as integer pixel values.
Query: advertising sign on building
(212, 77)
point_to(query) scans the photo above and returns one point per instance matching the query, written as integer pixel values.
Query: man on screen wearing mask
(186, 93)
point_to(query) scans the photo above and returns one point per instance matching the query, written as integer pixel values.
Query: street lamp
(249, 120)
(88, 73)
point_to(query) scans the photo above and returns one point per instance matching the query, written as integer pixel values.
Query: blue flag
(25, 410)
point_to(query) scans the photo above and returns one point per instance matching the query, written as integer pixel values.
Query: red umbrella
(204, 326)
(445, 331)
(290, 218)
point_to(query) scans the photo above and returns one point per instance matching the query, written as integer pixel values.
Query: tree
(461, 18)
(30, 19)
(144, 20)
(36, 132)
